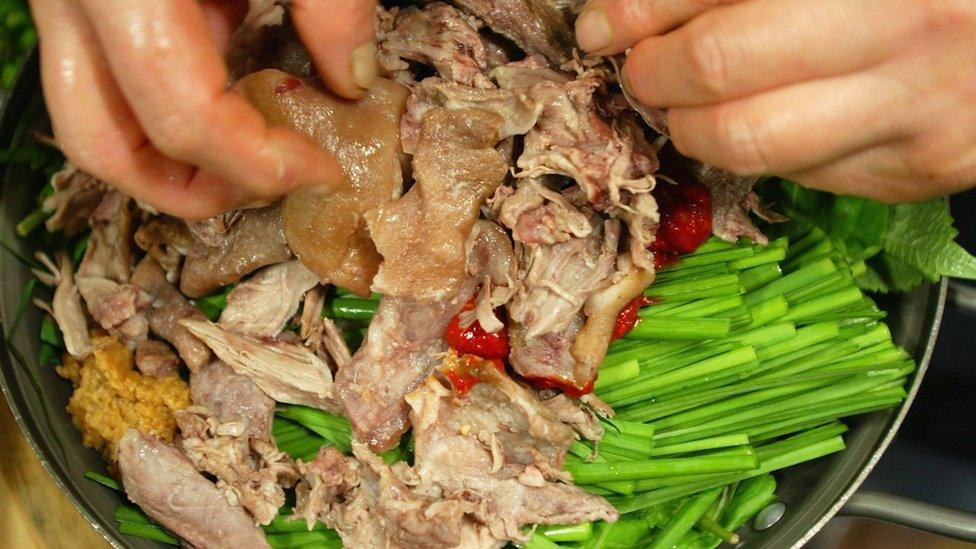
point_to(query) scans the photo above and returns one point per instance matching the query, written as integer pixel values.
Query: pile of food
(522, 318)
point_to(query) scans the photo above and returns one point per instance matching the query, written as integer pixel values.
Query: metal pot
(812, 492)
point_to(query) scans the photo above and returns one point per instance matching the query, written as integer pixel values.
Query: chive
(797, 279)
(324, 540)
(617, 374)
(636, 447)
(824, 304)
(696, 309)
(591, 473)
(354, 308)
(50, 333)
(722, 441)
(805, 337)
(291, 523)
(767, 335)
(720, 256)
(696, 288)
(689, 273)
(680, 329)
(538, 541)
(147, 532)
(134, 515)
(31, 222)
(757, 277)
(684, 519)
(103, 480)
(766, 257)
(584, 452)
(629, 428)
(567, 532)
(751, 496)
(764, 312)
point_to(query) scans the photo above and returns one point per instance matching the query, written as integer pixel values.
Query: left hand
(874, 98)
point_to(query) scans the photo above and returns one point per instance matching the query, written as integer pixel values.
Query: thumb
(339, 35)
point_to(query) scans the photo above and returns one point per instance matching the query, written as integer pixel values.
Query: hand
(874, 98)
(138, 96)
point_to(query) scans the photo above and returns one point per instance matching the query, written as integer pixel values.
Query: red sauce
(464, 372)
(291, 83)
(627, 318)
(686, 220)
(565, 385)
(474, 340)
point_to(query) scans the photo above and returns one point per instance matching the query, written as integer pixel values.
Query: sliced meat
(156, 359)
(537, 214)
(66, 306)
(111, 304)
(285, 371)
(256, 240)
(499, 447)
(370, 505)
(76, 195)
(535, 25)
(439, 36)
(405, 343)
(556, 279)
(166, 239)
(602, 308)
(109, 253)
(264, 304)
(570, 412)
(166, 485)
(422, 235)
(327, 231)
(547, 357)
(519, 113)
(168, 308)
(250, 471)
(233, 397)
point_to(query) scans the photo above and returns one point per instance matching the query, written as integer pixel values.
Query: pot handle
(912, 513)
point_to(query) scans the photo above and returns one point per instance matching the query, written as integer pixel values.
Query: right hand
(138, 96)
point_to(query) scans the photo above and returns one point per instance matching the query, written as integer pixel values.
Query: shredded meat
(503, 450)
(166, 239)
(213, 230)
(732, 200)
(439, 36)
(166, 485)
(256, 240)
(168, 308)
(286, 371)
(535, 25)
(156, 359)
(422, 235)
(327, 231)
(547, 356)
(233, 397)
(537, 214)
(404, 344)
(76, 195)
(66, 307)
(581, 419)
(264, 304)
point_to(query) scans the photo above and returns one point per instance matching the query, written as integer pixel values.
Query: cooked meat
(537, 214)
(156, 359)
(499, 447)
(370, 505)
(732, 200)
(327, 231)
(535, 25)
(76, 195)
(555, 280)
(285, 371)
(165, 484)
(439, 36)
(264, 304)
(519, 113)
(233, 397)
(321, 334)
(213, 230)
(166, 239)
(110, 397)
(256, 240)
(404, 344)
(167, 309)
(109, 253)
(422, 235)
(570, 412)
(494, 261)
(545, 357)
(250, 471)
(115, 306)
(66, 307)
(602, 308)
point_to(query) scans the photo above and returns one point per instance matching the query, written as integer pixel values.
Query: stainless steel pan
(813, 492)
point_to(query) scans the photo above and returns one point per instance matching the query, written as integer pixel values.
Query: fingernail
(593, 30)
(364, 66)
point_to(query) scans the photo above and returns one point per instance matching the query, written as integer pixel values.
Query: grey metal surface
(912, 513)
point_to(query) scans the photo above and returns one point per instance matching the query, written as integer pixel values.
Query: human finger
(169, 71)
(611, 26)
(339, 35)
(98, 132)
(759, 45)
(795, 127)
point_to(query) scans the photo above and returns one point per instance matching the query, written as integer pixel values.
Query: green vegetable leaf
(922, 236)
(856, 226)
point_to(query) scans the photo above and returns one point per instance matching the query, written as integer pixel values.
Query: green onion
(103, 480)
